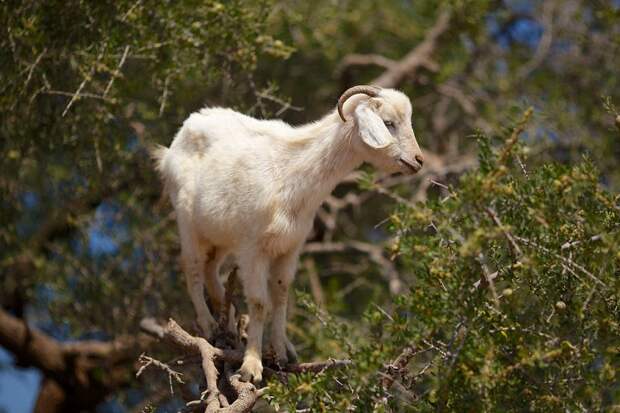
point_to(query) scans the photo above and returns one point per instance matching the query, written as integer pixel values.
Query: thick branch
(30, 346)
(73, 371)
(173, 333)
(176, 335)
(420, 56)
(246, 392)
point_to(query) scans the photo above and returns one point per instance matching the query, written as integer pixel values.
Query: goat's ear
(372, 130)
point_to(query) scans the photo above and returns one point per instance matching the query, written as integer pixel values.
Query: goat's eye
(388, 123)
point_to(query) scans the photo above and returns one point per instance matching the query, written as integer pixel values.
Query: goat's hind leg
(193, 257)
(215, 288)
(253, 272)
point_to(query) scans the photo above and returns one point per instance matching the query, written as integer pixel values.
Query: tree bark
(51, 398)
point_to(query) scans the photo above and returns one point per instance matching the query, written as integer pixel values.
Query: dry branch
(116, 72)
(374, 252)
(215, 398)
(149, 361)
(173, 333)
(398, 70)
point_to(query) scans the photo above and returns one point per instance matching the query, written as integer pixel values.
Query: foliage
(513, 303)
(88, 248)
(558, 56)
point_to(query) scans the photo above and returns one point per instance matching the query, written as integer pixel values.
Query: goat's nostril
(420, 159)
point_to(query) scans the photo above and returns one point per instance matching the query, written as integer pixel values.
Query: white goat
(250, 188)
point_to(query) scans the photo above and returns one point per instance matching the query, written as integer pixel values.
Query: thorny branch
(566, 261)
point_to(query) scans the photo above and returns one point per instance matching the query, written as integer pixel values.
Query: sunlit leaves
(513, 302)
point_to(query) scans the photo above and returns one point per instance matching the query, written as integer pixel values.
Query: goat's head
(383, 123)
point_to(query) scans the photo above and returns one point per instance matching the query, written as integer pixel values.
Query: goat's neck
(322, 155)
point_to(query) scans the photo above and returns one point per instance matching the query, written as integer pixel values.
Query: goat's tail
(158, 153)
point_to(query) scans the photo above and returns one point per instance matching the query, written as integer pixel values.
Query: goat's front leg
(282, 275)
(253, 271)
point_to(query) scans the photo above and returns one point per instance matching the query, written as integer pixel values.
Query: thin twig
(33, 66)
(513, 244)
(488, 280)
(374, 252)
(92, 70)
(164, 96)
(522, 166)
(568, 245)
(439, 184)
(128, 12)
(149, 361)
(116, 71)
(84, 94)
(284, 104)
(567, 261)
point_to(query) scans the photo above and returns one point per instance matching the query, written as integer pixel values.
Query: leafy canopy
(513, 304)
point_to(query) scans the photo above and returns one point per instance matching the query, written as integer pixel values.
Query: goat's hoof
(251, 370)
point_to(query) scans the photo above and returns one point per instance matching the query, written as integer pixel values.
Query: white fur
(250, 188)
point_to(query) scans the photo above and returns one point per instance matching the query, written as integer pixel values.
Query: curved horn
(371, 91)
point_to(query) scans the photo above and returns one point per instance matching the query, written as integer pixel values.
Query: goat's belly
(283, 237)
(225, 230)
(274, 245)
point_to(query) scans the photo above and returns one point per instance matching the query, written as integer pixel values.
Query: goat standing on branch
(250, 188)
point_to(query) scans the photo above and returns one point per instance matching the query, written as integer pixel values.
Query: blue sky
(18, 386)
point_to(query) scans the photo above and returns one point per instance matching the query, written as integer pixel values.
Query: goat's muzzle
(413, 166)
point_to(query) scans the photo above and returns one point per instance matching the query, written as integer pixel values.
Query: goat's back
(221, 170)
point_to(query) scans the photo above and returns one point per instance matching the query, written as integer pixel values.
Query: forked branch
(214, 398)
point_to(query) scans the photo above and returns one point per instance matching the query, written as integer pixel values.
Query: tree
(89, 250)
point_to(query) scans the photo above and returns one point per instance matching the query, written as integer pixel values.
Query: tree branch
(374, 252)
(78, 375)
(420, 56)
(246, 393)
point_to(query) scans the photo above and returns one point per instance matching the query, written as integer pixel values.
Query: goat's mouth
(412, 166)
